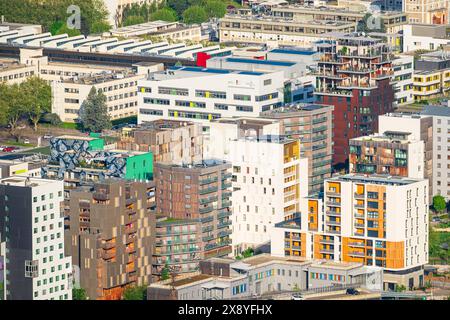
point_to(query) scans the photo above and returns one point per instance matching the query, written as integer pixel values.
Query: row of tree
(188, 11)
(52, 14)
(27, 101)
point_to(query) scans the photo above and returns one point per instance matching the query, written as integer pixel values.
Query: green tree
(12, 108)
(215, 8)
(165, 14)
(135, 293)
(60, 27)
(178, 5)
(439, 203)
(94, 115)
(165, 273)
(131, 20)
(100, 27)
(194, 14)
(51, 118)
(79, 294)
(37, 99)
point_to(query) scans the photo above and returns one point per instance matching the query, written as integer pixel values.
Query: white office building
(32, 230)
(441, 149)
(202, 94)
(403, 79)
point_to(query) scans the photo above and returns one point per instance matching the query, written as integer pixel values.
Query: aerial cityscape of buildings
(274, 151)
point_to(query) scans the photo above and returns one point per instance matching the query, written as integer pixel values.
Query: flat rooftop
(267, 139)
(296, 108)
(19, 181)
(260, 62)
(388, 136)
(266, 258)
(374, 179)
(72, 137)
(101, 77)
(335, 265)
(299, 51)
(215, 71)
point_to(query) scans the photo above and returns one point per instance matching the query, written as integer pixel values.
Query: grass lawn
(438, 254)
(43, 150)
(18, 144)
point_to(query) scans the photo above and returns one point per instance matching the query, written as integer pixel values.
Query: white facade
(441, 149)
(413, 42)
(50, 270)
(202, 94)
(403, 76)
(263, 194)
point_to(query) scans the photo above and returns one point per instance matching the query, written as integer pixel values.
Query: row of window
(325, 276)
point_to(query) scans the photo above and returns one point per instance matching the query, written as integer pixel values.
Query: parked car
(297, 296)
(26, 141)
(436, 219)
(2, 147)
(48, 136)
(9, 149)
(352, 291)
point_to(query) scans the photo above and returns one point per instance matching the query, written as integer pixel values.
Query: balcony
(356, 244)
(319, 120)
(223, 214)
(359, 195)
(326, 251)
(226, 186)
(359, 225)
(333, 223)
(333, 213)
(226, 204)
(332, 193)
(206, 219)
(333, 231)
(224, 233)
(208, 190)
(207, 229)
(356, 254)
(359, 206)
(325, 241)
(108, 255)
(226, 194)
(224, 224)
(208, 238)
(333, 204)
(207, 200)
(109, 245)
(208, 180)
(359, 216)
(205, 210)
(130, 229)
(227, 176)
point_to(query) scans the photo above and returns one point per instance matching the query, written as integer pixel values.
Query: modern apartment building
(403, 79)
(110, 235)
(312, 125)
(420, 128)
(171, 141)
(377, 220)
(79, 158)
(393, 152)
(248, 28)
(178, 246)
(269, 178)
(441, 149)
(426, 11)
(223, 131)
(32, 240)
(202, 94)
(392, 21)
(429, 84)
(200, 192)
(354, 75)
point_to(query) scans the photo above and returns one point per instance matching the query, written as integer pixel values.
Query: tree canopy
(439, 203)
(165, 14)
(215, 8)
(37, 99)
(79, 294)
(194, 14)
(46, 12)
(135, 293)
(93, 114)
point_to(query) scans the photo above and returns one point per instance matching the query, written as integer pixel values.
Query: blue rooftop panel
(265, 62)
(251, 73)
(293, 51)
